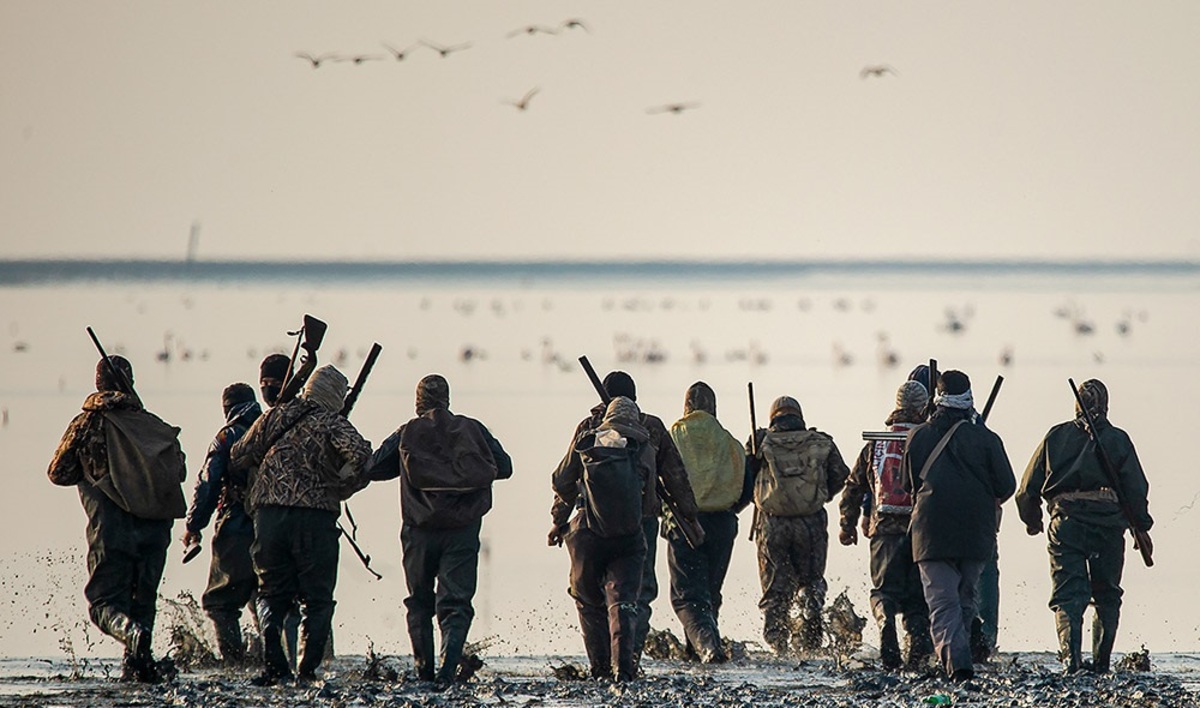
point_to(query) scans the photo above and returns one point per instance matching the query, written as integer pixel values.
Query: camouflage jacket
(82, 454)
(305, 457)
(669, 472)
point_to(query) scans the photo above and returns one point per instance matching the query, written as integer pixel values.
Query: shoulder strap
(937, 450)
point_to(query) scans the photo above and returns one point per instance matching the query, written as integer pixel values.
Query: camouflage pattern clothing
(307, 456)
(1086, 533)
(792, 551)
(126, 554)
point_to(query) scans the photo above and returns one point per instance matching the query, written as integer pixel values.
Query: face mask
(270, 391)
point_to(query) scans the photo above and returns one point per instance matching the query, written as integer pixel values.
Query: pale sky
(1010, 129)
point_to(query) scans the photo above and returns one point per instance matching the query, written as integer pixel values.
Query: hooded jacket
(220, 486)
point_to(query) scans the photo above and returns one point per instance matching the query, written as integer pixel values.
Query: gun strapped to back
(1141, 538)
(308, 338)
(124, 384)
(692, 532)
(352, 398)
(753, 451)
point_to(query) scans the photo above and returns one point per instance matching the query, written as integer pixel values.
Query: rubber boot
(980, 650)
(291, 636)
(136, 639)
(623, 621)
(597, 641)
(314, 633)
(275, 662)
(1070, 636)
(889, 645)
(920, 643)
(229, 636)
(812, 633)
(1104, 634)
(453, 641)
(422, 644)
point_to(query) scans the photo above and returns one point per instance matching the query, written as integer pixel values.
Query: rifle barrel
(361, 379)
(987, 408)
(1140, 536)
(596, 382)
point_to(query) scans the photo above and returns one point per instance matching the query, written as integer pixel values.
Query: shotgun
(1141, 539)
(691, 529)
(352, 398)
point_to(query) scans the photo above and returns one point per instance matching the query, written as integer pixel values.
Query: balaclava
(271, 373)
(433, 392)
(326, 388)
(235, 394)
(619, 383)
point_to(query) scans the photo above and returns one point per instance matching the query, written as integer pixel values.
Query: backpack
(611, 489)
(888, 481)
(145, 465)
(793, 482)
(714, 460)
(444, 452)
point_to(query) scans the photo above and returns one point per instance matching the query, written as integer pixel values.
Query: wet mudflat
(1026, 679)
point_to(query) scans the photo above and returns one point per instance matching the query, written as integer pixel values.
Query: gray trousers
(952, 593)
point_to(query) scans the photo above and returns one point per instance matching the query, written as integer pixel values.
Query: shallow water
(523, 382)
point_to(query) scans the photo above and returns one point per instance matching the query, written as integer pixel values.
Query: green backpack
(793, 480)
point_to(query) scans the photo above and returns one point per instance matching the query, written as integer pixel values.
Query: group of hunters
(927, 496)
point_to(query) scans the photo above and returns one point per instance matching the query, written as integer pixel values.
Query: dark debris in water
(760, 680)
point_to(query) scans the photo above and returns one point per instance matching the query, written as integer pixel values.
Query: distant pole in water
(193, 241)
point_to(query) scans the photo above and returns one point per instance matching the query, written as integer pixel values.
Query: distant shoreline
(25, 272)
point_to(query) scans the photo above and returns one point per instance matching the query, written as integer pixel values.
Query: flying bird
(877, 70)
(523, 104)
(573, 23)
(360, 58)
(672, 108)
(400, 54)
(446, 51)
(531, 30)
(316, 61)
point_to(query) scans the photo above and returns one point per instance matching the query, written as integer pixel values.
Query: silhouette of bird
(400, 54)
(877, 70)
(574, 23)
(316, 61)
(523, 104)
(360, 58)
(675, 108)
(446, 51)
(531, 30)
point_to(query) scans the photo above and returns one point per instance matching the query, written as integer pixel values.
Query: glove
(190, 538)
(1034, 530)
(555, 537)
(848, 537)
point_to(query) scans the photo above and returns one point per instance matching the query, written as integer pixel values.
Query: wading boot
(136, 638)
(889, 645)
(622, 625)
(229, 637)
(453, 641)
(597, 642)
(1070, 636)
(1104, 634)
(920, 644)
(422, 644)
(275, 661)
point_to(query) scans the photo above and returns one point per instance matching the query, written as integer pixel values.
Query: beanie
(785, 405)
(236, 393)
(619, 383)
(104, 377)
(326, 388)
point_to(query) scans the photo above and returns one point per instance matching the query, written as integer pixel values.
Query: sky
(1013, 130)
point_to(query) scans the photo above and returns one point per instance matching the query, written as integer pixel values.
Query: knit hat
(1095, 397)
(624, 416)
(275, 366)
(326, 388)
(911, 401)
(785, 405)
(104, 377)
(433, 392)
(619, 383)
(236, 393)
(700, 397)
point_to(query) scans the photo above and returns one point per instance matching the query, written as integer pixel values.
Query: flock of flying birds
(522, 104)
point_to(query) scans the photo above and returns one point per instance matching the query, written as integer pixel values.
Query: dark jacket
(859, 497)
(306, 456)
(220, 487)
(1066, 461)
(954, 505)
(668, 472)
(438, 510)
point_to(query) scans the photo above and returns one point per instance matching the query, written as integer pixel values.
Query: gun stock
(309, 338)
(1141, 538)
